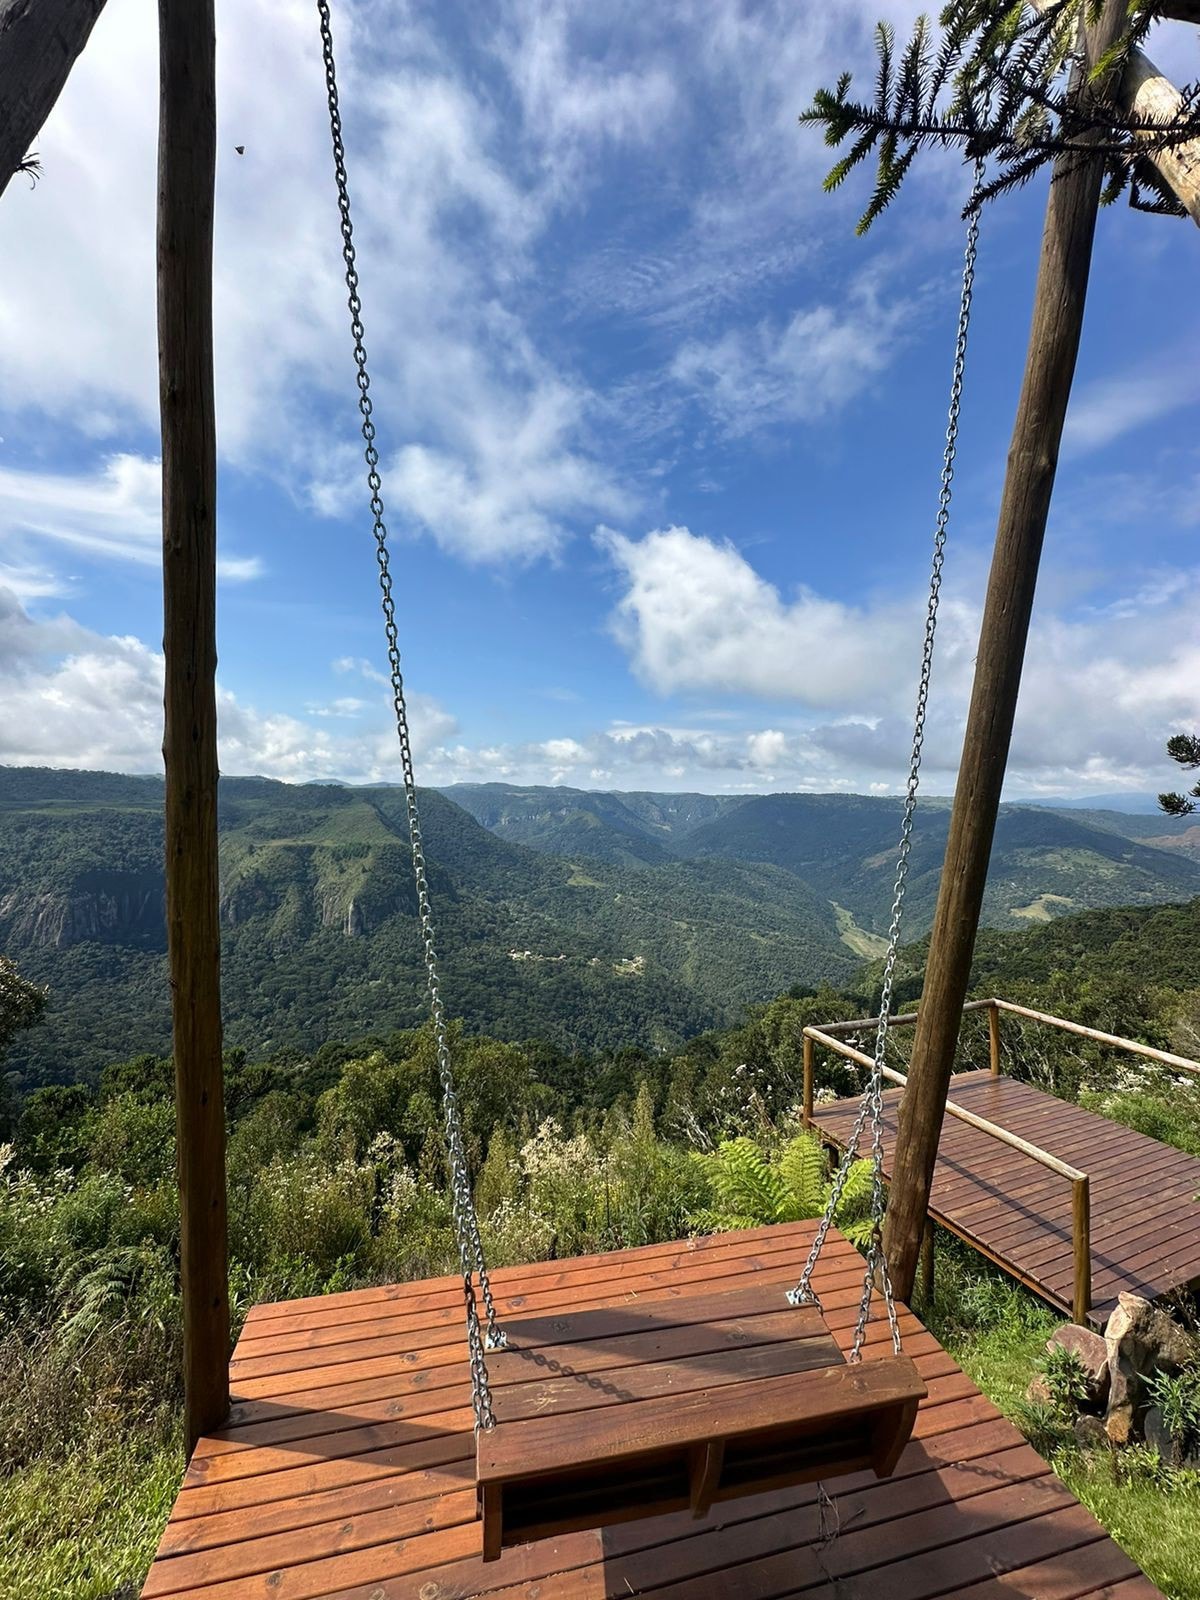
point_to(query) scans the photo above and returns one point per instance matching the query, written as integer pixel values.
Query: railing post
(808, 1081)
(993, 1017)
(1081, 1228)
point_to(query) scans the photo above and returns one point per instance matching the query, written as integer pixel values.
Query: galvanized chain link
(466, 1223)
(871, 1106)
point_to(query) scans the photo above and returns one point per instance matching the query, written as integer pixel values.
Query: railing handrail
(1063, 1024)
(1081, 1200)
(1133, 1046)
(905, 1019)
(1062, 1168)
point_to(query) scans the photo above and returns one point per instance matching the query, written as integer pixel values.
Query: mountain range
(594, 919)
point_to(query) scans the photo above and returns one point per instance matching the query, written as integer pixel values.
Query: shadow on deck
(347, 1467)
(1145, 1217)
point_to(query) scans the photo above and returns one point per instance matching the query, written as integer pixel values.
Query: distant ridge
(594, 919)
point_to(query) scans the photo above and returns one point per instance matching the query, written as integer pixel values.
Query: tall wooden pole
(1032, 461)
(186, 176)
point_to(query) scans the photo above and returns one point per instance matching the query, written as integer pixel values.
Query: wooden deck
(1145, 1224)
(347, 1468)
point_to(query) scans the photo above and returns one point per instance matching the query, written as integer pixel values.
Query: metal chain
(466, 1223)
(871, 1106)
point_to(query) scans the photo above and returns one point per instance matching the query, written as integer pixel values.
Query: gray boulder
(1160, 1438)
(1091, 1351)
(1090, 1432)
(1140, 1340)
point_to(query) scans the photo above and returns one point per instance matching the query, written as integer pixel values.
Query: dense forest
(336, 1178)
(591, 921)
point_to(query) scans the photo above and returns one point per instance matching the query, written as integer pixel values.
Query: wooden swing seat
(662, 1405)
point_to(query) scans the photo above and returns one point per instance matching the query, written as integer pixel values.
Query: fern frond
(706, 1221)
(802, 1167)
(744, 1183)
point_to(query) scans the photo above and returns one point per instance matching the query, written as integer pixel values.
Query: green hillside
(1156, 946)
(319, 931)
(657, 917)
(630, 827)
(1045, 862)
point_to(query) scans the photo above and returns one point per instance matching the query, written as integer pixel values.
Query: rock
(1090, 1350)
(1090, 1432)
(1038, 1392)
(1149, 1335)
(1140, 1339)
(1160, 1438)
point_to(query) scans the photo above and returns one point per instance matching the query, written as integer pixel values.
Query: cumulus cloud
(695, 616)
(76, 698)
(1103, 685)
(1102, 688)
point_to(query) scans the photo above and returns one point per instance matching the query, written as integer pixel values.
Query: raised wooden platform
(348, 1466)
(1145, 1228)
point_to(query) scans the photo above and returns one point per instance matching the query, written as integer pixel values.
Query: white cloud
(1103, 685)
(806, 368)
(76, 698)
(1102, 690)
(364, 668)
(1105, 409)
(574, 98)
(344, 706)
(497, 458)
(696, 617)
(113, 513)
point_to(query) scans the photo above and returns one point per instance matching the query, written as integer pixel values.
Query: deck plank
(1145, 1221)
(353, 1475)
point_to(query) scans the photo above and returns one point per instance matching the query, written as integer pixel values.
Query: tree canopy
(1009, 86)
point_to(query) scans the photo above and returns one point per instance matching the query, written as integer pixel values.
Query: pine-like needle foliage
(1005, 82)
(1183, 748)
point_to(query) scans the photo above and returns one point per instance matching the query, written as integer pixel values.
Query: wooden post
(38, 47)
(1152, 100)
(1032, 460)
(927, 1264)
(808, 1081)
(993, 1017)
(1081, 1237)
(186, 175)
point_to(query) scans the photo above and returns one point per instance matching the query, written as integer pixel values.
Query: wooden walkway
(348, 1466)
(1145, 1223)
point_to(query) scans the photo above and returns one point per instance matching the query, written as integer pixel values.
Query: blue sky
(661, 436)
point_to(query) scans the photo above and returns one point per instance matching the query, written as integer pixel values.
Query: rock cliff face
(127, 909)
(107, 907)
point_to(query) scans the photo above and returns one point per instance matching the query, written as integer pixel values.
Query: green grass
(1157, 1523)
(86, 1528)
(997, 1333)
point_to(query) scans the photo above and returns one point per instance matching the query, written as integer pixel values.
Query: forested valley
(337, 1179)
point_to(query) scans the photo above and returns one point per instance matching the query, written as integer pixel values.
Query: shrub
(749, 1189)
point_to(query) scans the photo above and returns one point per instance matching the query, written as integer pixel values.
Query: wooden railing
(1081, 1206)
(827, 1037)
(1130, 1046)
